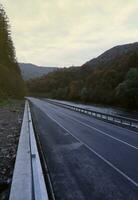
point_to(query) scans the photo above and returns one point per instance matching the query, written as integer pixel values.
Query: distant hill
(111, 78)
(112, 54)
(30, 71)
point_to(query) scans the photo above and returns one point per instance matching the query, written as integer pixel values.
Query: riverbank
(11, 113)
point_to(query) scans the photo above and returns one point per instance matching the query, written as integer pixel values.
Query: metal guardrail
(108, 117)
(28, 180)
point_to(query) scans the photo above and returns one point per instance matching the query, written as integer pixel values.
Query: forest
(114, 82)
(11, 82)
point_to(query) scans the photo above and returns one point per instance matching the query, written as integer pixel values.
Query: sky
(69, 32)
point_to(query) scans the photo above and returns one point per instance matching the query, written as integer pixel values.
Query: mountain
(111, 78)
(112, 54)
(30, 71)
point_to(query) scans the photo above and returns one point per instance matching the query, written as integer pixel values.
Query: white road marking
(94, 118)
(98, 155)
(102, 132)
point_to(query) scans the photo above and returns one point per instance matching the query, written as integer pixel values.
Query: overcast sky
(69, 32)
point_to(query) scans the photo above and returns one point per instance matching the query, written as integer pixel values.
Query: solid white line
(102, 132)
(92, 150)
(108, 122)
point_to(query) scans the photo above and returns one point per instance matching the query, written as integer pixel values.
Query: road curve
(88, 158)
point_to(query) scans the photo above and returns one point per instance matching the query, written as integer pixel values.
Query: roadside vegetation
(11, 82)
(113, 83)
(11, 109)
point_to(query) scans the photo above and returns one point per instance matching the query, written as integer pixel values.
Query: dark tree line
(11, 83)
(115, 83)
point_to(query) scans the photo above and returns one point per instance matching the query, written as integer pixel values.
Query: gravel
(10, 123)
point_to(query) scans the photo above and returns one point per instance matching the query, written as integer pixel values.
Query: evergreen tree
(11, 83)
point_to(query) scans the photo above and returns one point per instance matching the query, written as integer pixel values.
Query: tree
(11, 83)
(127, 91)
(74, 90)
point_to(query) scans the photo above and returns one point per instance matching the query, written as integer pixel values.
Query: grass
(3, 102)
(10, 102)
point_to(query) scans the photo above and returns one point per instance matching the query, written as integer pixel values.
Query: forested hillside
(11, 83)
(112, 54)
(113, 82)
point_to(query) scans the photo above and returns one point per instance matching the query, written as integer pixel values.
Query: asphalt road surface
(87, 158)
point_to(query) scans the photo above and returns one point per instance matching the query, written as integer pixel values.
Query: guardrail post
(108, 117)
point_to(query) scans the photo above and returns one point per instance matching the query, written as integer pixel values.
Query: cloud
(68, 32)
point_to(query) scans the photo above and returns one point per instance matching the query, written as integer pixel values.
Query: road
(87, 158)
(105, 109)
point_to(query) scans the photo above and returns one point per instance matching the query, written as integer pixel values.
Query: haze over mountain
(30, 71)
